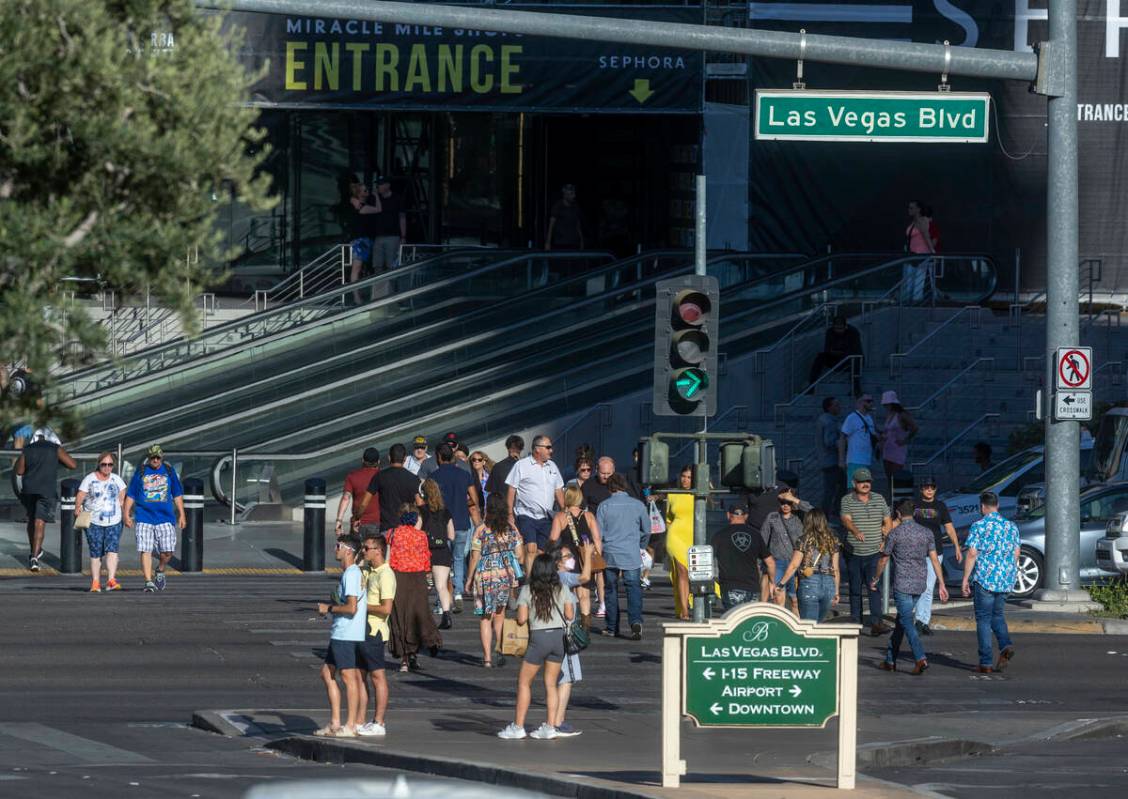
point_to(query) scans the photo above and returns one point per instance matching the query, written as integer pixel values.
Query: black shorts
(343, 654)
(38, 507)
(545, 645)
(442, 556)
(371, 651)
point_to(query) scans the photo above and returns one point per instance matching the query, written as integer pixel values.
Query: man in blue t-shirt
(156, 494)
(461, 500)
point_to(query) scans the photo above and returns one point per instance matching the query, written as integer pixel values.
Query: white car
(1112, 550)
(1007, 479)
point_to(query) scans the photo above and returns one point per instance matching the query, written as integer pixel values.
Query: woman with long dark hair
(546, 606)
(493, 573)
(412, 625)
(435, 520)
(816, 561)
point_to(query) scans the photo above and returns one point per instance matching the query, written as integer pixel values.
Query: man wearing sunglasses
(534, 485)
(157, 498)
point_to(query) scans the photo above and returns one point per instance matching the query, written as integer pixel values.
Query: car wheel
(1031, 572)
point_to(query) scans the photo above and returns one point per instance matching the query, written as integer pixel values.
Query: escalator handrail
(618, 356)
(683, 266)
(320, 300)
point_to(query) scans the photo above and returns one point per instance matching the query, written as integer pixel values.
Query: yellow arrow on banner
(641, 91)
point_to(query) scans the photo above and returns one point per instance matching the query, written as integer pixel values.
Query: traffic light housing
(686, 338)
(653, 462)
(748, 464)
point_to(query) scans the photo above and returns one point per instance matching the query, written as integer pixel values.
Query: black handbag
(576, 639)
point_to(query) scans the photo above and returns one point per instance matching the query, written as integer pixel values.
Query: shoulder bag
(576, 638)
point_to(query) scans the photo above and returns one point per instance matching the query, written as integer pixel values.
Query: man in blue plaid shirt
(991, 565)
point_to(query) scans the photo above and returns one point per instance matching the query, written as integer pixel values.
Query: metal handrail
(348, 376)
(1016, 308)
(947, 386)
(971, 310)
(308, 280)
(952, 441)
(855, 362)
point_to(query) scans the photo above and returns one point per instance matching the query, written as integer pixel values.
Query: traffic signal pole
(701, 471)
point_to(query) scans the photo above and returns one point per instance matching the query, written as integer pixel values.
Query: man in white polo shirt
(534, 484)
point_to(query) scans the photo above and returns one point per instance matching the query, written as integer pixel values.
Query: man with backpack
(156, 494)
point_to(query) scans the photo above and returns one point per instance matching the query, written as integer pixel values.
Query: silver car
(1099, 505)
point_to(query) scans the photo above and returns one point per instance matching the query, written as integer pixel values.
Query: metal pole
(234, 482)
(70, 539)
(1062, 438)
(881, 53)
(700, 495)
(192, 544)
(699, 233)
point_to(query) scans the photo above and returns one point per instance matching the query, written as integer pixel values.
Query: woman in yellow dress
(679, 538)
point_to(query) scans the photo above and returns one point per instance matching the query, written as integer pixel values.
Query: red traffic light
(691, 307)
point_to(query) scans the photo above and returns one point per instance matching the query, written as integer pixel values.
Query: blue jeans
(731, 597)
(861, 570)
(816, 594)
(989, 606)
(611, 595)
(780, 568)
(923, 610)
(904, 629)
(460, 548)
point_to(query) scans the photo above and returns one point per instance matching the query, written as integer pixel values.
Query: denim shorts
(101, 539)
(343, 654)
(781, 567)
(361, 250)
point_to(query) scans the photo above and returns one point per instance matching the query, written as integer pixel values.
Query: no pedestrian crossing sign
(1074, 369)
(928, 117)
(759, 667)
(762, 674)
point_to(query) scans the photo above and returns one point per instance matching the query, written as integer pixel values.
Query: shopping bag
(657, 521)
(514, 638)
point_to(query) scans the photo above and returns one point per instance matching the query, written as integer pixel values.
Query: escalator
(510, 360)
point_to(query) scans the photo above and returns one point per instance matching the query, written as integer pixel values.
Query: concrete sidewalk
(618, 755)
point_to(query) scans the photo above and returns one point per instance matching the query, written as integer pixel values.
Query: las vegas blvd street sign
(762, 674)
(810, 115)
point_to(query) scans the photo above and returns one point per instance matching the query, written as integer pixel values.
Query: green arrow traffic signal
(690, 382)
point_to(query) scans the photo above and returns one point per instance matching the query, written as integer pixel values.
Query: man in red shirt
(356, 483)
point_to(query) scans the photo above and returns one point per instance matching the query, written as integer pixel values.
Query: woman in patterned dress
(494, 571)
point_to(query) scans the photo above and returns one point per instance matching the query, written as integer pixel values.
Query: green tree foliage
(116, 150)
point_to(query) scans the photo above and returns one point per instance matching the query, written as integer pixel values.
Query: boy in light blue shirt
(349, 608)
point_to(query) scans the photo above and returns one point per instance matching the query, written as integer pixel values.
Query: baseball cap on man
(154, 451)
(371, 455)
(928, 481)
(451, 438)
(863, 475)
(740, 508)
(419, 441)
(381, 180)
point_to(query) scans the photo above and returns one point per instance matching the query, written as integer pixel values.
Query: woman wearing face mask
(572, 575)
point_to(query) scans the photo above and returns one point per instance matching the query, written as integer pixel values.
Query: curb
(1080, 626)
(338, 752)
(238, 571)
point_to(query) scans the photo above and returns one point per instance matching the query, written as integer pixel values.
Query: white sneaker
(512, 733)
(545, 732)
(371, 729)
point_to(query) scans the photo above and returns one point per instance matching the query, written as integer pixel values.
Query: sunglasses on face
(476, 460)
(103, 465)
(545, 446)
(155, 458)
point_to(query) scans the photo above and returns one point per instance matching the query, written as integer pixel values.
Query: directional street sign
(811, 115)
(1073, 406)
(1074, 369)
(762, 674)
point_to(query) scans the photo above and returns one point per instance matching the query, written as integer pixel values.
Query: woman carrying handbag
(99, 501)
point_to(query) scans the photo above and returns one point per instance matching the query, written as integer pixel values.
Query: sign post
(1073, 384)
(759, 667)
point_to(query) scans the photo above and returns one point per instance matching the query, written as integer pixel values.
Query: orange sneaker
(113, 585)
(95, 588)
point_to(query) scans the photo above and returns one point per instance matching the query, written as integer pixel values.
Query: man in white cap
(38, 465)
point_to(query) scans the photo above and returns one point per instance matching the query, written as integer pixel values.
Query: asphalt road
(96, 692)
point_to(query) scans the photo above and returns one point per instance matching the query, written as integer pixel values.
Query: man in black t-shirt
(739, 550)
(389, 230)
(496, 482)
(933, 514)
(38, 465)
(395, 487)
(596, 490)
(565, 227)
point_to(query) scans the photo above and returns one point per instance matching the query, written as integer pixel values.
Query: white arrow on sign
(708, 674)
(716, 708)
(795, 690)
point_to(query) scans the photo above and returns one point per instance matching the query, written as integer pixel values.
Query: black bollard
(192, 544)
(313, 543)
(70, 539)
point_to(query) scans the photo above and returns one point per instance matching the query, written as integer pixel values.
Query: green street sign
(761, 674)
(810, 115)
